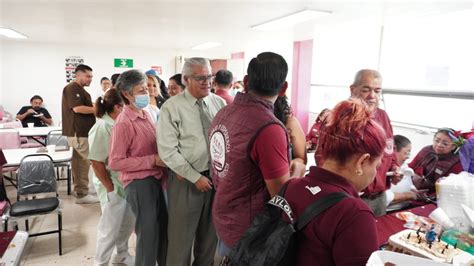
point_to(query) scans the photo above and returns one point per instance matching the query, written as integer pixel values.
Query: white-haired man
(183, 146)
(367, 86)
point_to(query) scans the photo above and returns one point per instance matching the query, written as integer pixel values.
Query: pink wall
(218, 64)
(301, 84)
(239, 55)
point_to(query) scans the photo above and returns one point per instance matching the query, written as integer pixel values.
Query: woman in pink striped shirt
(134, 153)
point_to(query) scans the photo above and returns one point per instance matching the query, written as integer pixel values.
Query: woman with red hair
(344, 234)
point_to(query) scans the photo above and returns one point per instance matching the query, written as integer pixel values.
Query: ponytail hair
(400, 142)
(105, 104)
(282, 109)
(351, 131)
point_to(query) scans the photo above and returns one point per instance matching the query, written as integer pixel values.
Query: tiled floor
(79, 234)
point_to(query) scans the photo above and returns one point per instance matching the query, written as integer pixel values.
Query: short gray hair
(361, 74)
(189, 63)
(129, 79)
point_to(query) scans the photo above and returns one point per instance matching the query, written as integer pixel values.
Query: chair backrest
(55, 137)
(36, 175)
(9, 138)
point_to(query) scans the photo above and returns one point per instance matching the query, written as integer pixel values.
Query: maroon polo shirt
(224, 94)
(344, 234)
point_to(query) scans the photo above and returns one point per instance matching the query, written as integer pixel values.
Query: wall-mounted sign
(158, 69)
(71, 62)
(123, 62)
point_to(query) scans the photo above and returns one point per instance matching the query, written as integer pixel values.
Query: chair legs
(68, 178)
(59, 231)
(11, 178)
(60, 228)
(69, 175)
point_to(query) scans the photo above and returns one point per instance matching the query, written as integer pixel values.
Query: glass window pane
(340, 50)
(433, 53)
(430, 111)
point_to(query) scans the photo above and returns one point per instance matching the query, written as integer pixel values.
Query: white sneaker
(123, 260)
(87, 200)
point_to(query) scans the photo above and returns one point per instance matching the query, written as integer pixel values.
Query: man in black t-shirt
(34, 113)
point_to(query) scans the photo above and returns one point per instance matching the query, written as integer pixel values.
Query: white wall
(28, 68)
(35, 68)
(281, 43)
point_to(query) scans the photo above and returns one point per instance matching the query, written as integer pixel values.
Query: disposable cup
(439, 216)
(31, 125)
(51, 148)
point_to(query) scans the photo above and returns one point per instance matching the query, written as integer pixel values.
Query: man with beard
(34, 113)
(77, 119)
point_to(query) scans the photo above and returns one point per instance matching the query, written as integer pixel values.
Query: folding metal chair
(55, 137)
(37, 194)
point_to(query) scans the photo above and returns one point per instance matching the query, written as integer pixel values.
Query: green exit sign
(123, 62)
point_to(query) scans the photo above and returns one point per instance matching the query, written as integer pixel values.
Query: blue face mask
(141, 101)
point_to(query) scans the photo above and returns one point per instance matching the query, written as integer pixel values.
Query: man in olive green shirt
(182, 145)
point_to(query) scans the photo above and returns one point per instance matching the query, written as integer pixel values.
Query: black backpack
(270, 240)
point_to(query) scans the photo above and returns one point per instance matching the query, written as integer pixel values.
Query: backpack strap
(282, 191)
(280, 202)
(318, 207)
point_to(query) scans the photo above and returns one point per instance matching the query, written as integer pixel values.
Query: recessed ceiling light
(291, 20)
(11, 33)
(206, 45)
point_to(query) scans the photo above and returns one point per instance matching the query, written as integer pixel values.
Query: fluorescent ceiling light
(11, 33)
(206, 45)
(291, 20)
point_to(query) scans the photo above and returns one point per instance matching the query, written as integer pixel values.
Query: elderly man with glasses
(183, 146)
(367, 86)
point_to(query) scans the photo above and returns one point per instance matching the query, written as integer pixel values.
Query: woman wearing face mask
(436, 161)
(134, 153)
(117, 220)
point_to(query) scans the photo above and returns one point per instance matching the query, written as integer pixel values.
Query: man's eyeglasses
(203, 79)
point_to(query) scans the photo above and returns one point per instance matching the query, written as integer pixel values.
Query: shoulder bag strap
(281, 204)
(318, 207)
